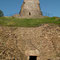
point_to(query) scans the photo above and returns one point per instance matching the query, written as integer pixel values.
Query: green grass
(10, 21)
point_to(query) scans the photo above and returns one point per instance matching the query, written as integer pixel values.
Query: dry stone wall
(19, 43)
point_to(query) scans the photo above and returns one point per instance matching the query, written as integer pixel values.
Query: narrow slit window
(29, 13)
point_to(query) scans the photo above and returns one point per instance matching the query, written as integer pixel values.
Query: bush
(1, 13)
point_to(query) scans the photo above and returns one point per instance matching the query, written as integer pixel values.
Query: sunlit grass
(24, 22)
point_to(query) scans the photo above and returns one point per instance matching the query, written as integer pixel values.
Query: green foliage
(1, 13)
(9, 21)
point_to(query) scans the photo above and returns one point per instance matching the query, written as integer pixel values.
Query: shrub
(1, 13)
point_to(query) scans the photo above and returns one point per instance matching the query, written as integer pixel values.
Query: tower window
(29, 13)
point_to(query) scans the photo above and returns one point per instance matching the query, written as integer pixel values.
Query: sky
(48, 7)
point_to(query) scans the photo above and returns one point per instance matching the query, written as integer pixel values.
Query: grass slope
(10, 21)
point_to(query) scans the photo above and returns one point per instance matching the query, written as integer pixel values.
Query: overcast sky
(48, 7)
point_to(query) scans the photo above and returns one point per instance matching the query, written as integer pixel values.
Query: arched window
(29, 13)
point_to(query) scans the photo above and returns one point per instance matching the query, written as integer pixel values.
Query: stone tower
(30, 8)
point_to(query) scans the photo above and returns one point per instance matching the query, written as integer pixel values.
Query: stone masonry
(19, 43)
(30, 8)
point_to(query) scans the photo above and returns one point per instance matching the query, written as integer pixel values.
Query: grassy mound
(10, 21)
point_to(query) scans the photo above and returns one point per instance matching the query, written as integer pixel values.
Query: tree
(1, 13)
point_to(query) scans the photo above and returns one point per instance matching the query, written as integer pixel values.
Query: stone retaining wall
(21, 42)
